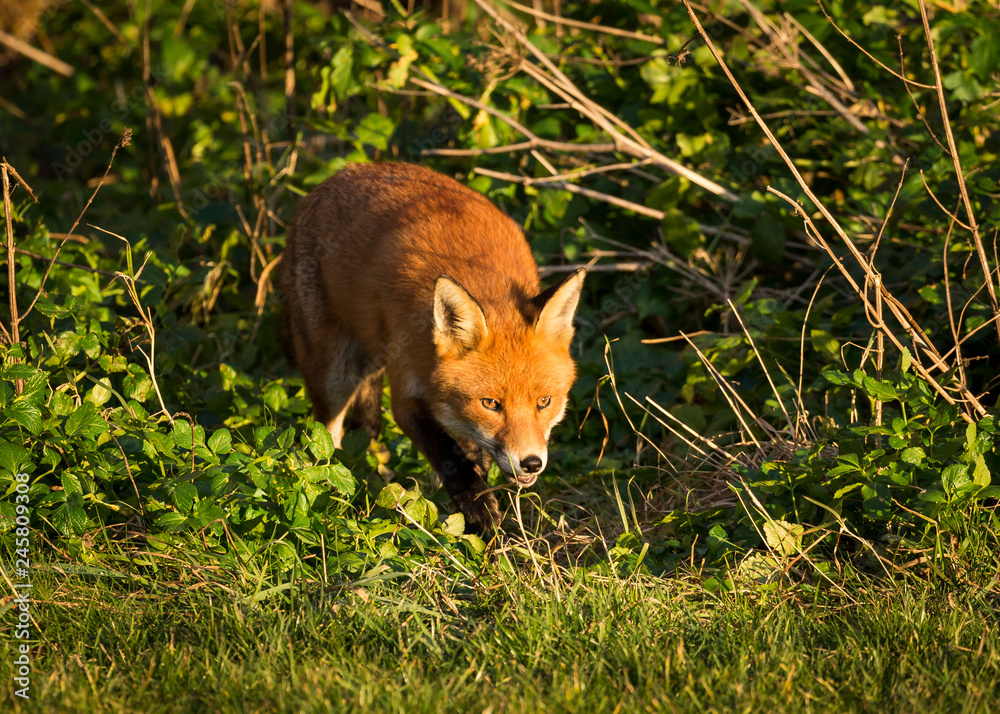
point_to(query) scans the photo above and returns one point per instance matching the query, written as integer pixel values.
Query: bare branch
(585, 25)
(36, 55)
(913, 329)
(959, 175)
(868, 54)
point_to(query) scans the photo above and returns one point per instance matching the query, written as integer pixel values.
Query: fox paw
(480, 508)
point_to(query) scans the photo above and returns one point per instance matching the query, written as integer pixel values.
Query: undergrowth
(785, 414)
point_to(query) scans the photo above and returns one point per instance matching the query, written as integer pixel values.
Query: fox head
(504, 389)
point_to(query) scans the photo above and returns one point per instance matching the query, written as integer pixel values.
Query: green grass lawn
(431, 640)
(776, 487)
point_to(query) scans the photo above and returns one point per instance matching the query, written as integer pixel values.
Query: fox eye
(544, 402)
(492, 404)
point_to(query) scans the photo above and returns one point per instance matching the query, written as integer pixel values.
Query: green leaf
(160, 444)
(970, 434)
(681, 231)
(184, 497)
(933, 496)
(399, 71)
(340, 74)
(835, 376)
(26, 414)
(221, 441)
(19, 371)
(208, 513)
(320, 441)
(390, 496)
(336, 476)
(476, 543)
(981, 474)
(275, 397)
(100, 393)
(955, 477)
(7, 516)
(286, 439)
(70, 483)
(417, 510)
(137, 384)
(984, 54)
(828, 346)
(375, 130)
(841, 492)
(70, 518)
(171, 521)
(965, 87)
(454, 524)
(86, 421)
(876, 501)
(183, 436)
(914, 455)
(297, 509)
(882, 391)
(14, 458)
(905, 360)
(219, 480)
(783, 538)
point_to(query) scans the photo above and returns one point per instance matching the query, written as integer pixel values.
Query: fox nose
(531, 464)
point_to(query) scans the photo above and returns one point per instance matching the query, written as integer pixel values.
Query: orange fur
(395, 269)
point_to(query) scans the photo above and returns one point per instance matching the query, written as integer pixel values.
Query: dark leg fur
(464, 479)
(285, 333)
(366, 407)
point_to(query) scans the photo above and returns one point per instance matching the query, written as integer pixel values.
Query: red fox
(394, 269)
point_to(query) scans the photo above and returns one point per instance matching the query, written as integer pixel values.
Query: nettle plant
(116, 472)
(903, 477)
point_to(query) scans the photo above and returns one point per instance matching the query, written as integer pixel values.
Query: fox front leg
(464, 479)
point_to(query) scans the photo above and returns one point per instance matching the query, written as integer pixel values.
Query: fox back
(393, 269)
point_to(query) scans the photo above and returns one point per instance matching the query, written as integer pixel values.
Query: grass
(578, 640)
(904, 617)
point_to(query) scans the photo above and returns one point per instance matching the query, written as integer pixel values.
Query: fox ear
(558, 304)
(459, 322)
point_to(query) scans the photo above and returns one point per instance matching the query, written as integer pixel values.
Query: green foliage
(417, 644)
(171, 413)
(190, 523)
(899, 481)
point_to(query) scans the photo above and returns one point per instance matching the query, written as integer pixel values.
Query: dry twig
(988, 276)
(123, 141)
(14, 335)
(626, 138)
(36, 55)
(910, 325)
(585, 25)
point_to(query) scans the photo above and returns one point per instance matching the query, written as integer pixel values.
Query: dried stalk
(155, 120)
(848, 84)
(625, 137)
(534, 141)
(14, 335)
(910, 325)
(959, 175)
(36, 55)
(557, 182)
(869, 55)
(286, 9)
(785, 48)
(774, 389)
(125, 140)
(146, 314)
(558, 20)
